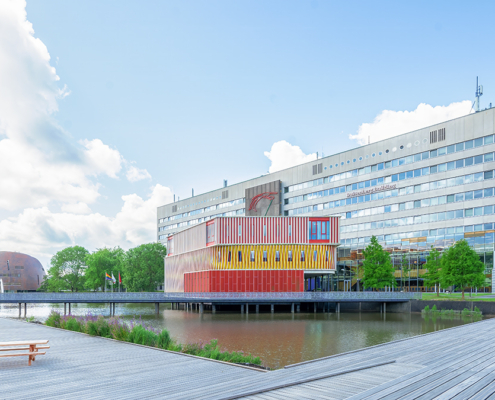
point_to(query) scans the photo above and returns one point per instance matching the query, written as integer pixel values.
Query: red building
(251, 254)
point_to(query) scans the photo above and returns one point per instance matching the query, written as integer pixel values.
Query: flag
(108, 277)
(113, 279)
(120, 278)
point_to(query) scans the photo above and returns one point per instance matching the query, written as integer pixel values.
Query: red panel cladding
(257, 280)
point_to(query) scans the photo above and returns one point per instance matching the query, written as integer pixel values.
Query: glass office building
(425, 188)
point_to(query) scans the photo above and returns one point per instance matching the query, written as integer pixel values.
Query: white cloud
(49, 232)
(392, 123)
(284, 155)
(42, 166)
(135, 174)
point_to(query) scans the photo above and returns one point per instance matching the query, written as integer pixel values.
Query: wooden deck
(454, 363)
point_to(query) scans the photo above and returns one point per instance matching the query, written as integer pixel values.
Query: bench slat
(24, 342)
(38, 353)
(24, 348)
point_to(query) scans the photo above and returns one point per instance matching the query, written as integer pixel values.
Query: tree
(378, 269)
(405, 269)
(143, 267)
(100, 262)
(433, 267)
(67, 270)
(461, 266)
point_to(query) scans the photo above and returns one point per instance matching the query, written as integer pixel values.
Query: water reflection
(279, 339)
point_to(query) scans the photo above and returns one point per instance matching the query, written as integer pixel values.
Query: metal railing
(149, 297)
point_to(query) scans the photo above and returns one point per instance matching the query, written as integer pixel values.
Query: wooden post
(114, 306)
(110, 309)
(25, 310)
(65, 308)
(69, 308)
(19, 310)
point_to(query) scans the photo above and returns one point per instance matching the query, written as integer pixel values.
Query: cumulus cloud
(43, 167)
(135, 174)
(392, 123)
(284, 155)
(48, 231)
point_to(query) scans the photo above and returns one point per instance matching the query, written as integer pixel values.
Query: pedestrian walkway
(453, 363)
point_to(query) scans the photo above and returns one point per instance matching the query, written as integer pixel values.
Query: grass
(139, 333)
(456, 296)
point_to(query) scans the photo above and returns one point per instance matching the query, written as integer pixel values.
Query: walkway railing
(148, 297)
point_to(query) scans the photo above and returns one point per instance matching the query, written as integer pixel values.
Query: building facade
(20, 272)
(252, 254)
(425, 188)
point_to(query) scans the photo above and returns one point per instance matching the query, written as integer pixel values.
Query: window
(210, 232)
(289, 257)
(326, 256)
(219, 255)
(239, 256)
(252, 255)
(265, 256)
(264, 230)
(229, 257)
(240, 231)
(290, 230)
(277, 256)
(319, 230)
(315, 255)
(303, 258)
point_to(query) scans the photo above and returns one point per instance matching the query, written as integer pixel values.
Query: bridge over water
(321, 300)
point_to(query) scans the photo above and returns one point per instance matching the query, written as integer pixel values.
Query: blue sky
(194, 92)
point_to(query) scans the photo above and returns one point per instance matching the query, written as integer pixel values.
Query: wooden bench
(31, 346)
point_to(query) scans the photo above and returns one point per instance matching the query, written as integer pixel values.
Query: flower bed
(139, 333)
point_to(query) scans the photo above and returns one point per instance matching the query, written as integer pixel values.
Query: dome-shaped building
(20, 272)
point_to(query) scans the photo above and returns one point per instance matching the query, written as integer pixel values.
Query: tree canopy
(433, 276)
(405, 268)
(100, 262)
(461, 266)
(143, 267)
(378, 269)
(67, 270)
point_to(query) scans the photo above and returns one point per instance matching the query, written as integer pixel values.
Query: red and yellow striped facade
(251, 244)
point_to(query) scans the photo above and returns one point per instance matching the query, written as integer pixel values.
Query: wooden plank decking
(455, 363)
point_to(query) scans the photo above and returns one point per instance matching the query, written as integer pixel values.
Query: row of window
(252, 256)
(465, 162)
(440, 184)
(394, 163)
(435, 233)
(199, 220)
(203, 210)
(432, 201)
(420, 219)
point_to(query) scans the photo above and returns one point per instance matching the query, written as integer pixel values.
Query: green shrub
(53, 319)
(72, 324)
(103, 327)
(427, 309)
(164, 339)
(140, 335)
(465, 312)
(476, 309)
(92, 328)
(434, 308)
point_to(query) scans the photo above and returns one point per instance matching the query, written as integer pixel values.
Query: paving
(454, 363)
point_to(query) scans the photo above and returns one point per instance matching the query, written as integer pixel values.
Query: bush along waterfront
(139, 333)
(451, 313)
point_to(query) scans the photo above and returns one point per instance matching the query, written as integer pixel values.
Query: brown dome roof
(25, 272)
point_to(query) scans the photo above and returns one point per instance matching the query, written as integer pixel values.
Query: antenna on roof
(225, 183)
(478, 94)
